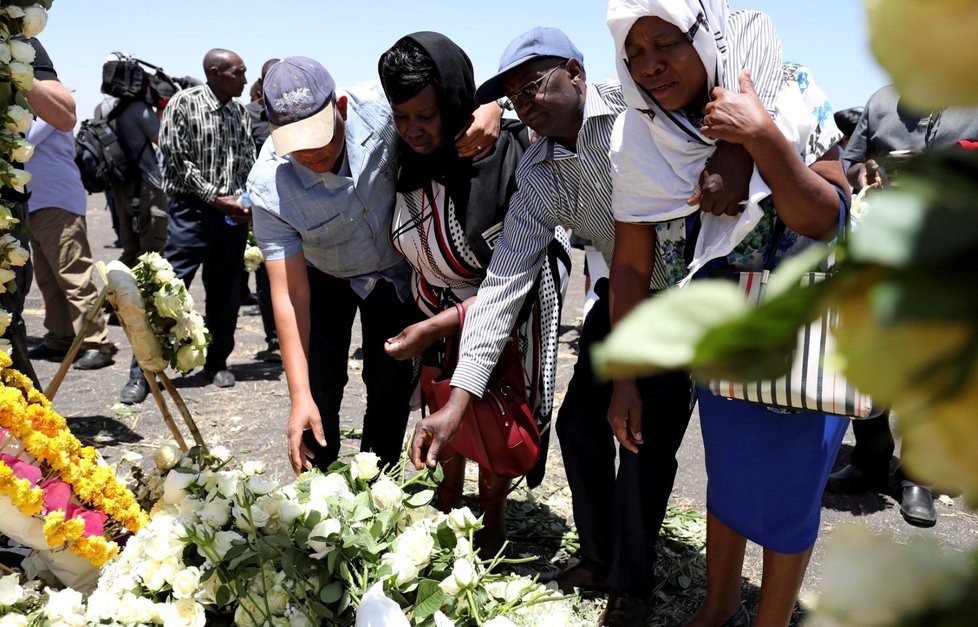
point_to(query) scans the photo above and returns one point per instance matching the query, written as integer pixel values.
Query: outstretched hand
(303, 417)
(431, 434)
(410, 342)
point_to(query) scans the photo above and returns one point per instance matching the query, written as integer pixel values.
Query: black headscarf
(479, 190)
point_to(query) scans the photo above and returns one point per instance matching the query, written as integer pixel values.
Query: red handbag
(498, 431)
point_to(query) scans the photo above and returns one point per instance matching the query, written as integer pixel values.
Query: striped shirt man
(556, 187)
(207, 146)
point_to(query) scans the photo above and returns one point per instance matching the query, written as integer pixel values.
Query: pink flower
(56, 495)
(21, 469)
(94, 521)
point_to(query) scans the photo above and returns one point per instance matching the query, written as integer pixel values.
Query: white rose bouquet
(170, 310)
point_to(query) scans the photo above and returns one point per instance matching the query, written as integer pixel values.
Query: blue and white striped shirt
(556, 187)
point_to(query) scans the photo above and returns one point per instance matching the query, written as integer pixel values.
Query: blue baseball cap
(539, 42)
(299, 103)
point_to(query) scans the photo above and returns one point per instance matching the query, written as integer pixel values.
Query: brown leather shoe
(576, 575)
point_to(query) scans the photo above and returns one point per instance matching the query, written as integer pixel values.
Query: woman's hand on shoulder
(478, 139)
(738, 118)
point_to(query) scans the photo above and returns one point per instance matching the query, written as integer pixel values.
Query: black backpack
(102, 157)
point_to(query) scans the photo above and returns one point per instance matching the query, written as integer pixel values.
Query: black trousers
(874, 448)
(618, 516)
(333, 307)
(197, 236)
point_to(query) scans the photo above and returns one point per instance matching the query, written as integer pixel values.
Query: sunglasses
(528, 91)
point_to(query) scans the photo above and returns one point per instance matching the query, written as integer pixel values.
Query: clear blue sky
(348, 37)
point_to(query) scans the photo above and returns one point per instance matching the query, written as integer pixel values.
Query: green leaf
(662, 332)
(888, 233)
(223, 596)
(331, 593)
(759, 344)
(420, 499)
(429, 599)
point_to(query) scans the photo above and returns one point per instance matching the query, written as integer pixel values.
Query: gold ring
(478, 147)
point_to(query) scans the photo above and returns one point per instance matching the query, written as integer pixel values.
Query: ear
(576, 70)
(341, 103)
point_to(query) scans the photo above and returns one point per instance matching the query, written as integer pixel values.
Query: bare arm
(806, 202)
(290, 302)
(53, 103)
(478, 139)
(631, 272)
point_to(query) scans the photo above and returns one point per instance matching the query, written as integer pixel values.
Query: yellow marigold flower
(95, 549)
(58, 531)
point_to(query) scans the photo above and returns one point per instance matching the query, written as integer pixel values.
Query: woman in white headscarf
(681, 64)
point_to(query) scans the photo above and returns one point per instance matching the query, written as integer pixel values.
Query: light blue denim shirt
(339, 222)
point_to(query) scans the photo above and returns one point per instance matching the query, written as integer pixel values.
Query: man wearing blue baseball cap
(565, 179)
(323, 193)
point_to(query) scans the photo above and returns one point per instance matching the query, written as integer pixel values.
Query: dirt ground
(249, 419)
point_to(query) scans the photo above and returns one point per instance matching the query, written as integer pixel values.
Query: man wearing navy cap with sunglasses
(565, 179)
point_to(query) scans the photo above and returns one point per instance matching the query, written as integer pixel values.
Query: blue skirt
(766, 471)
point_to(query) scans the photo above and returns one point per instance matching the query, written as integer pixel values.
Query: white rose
(14, 620)
(441, 620)
(5, 55)
(168, 305)
(386, 494)
(175, 486)
(463, 548)
(499, 621)
(35, 19)
(208, 590)
(365, 466)
(6, 276)
(278, 599)
(5, 318)
(221, 453)
(15, 12)
(224, 540)
(227, 482)
(18, 255)
(288, 511)
(318, 537)
(403, 569)
(463, 577)
(183, 613)
(65, 607)
(215, 513)
(21, 51)
(186, 582)
(252, 467)
(18, 179)
(22, 151)
(462, 520)
(19, 118)
(164, 275)
(252, 258)
(10, 590)
(190, 357)
(167, 456)
(416, 544)
(161, 546)
(298, 619)
(259, 485)
(21, 74)
(7, 219)
(258, 516)
(150, 573)
(322, 487)
(102, 605)
(133, 609)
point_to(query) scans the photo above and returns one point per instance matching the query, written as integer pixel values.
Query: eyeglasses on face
(529, 91)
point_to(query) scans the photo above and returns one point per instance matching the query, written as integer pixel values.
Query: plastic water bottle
(245, 199)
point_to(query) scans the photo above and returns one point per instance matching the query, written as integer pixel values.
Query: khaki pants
(63, 269)
(143, 229)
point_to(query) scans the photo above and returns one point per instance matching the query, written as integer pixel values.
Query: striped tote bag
(812, 384)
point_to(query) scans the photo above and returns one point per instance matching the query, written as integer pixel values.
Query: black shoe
(93, 359)
(576, 575)
(853, 479)
(43, 351)
(625, 610)
(917, 506)
(271, 354)
(134, 392)
(740, 618)
(248, 299)
(221, 378)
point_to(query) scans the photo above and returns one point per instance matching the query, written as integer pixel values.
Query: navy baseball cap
(539, 42)
(299, 103)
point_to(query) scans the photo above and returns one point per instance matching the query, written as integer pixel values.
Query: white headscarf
(657, 156)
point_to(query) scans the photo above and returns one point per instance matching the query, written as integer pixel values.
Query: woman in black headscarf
(447, 218)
